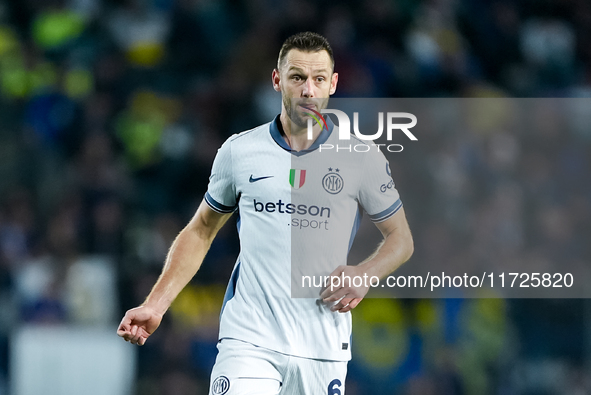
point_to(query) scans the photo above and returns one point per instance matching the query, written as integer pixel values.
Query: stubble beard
(295, 117)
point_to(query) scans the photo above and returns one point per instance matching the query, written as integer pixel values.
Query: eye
(320, 79)
(296, 78)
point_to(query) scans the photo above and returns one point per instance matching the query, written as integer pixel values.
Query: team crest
(333, 182)
(297, 178)
(220, 386)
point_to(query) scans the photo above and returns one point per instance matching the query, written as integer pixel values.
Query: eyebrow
(297, 69)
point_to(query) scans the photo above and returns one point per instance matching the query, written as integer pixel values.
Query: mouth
(309, 110)
(308, 107)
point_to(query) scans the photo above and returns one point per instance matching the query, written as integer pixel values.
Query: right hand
(138, 324)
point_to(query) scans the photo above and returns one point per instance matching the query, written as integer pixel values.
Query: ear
(333, 83)
(276, 78)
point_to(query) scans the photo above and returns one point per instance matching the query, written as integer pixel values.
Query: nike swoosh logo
(251, 179)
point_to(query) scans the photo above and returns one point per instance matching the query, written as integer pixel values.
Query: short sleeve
(221, 191)
(378, 195)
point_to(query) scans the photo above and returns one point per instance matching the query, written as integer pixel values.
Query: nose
(308, 90)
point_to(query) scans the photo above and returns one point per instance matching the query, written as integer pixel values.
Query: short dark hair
(307, 42)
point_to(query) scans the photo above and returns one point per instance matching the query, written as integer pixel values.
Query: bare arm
(184, 259)
(396, 248)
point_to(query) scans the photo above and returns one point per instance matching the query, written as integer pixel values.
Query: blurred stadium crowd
(111, 113)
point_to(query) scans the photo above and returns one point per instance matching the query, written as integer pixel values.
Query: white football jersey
(298, 214)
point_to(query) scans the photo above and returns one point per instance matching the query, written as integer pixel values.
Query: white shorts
(242, 368)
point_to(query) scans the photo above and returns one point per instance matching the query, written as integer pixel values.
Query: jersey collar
(277, 133)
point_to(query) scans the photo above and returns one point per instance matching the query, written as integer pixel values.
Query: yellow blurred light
(197, 306)
(141, 137)
(449, 41)
(146, 54)
(14, 82)
(380, 333)
(427, 314)
(488, 116)
(44, 75)
(8, 40)
(78, 83)
(145, 105)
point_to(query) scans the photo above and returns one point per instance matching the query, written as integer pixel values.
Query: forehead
(317, 60)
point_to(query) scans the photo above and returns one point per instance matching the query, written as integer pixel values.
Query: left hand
(349, 295)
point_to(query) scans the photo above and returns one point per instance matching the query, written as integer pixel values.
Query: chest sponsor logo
(302, 215)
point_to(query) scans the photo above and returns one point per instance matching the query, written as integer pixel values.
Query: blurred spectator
(549, 46)
(140, 30)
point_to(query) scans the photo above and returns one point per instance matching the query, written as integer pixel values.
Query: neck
(297, 138)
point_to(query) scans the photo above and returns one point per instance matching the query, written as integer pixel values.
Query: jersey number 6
(331, 387)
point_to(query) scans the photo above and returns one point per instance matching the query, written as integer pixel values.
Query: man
(271, 343)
